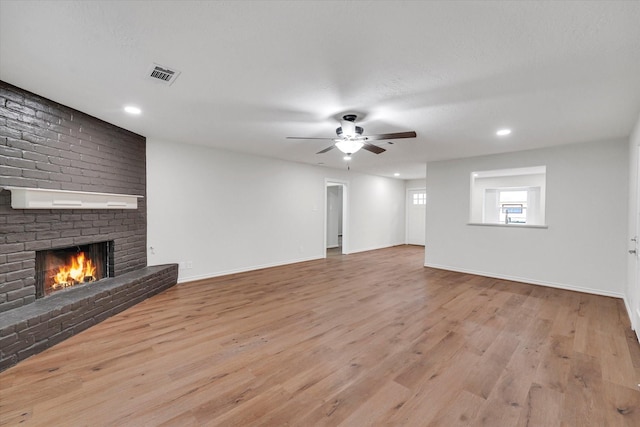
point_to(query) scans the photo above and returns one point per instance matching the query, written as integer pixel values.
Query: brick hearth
(28, 330)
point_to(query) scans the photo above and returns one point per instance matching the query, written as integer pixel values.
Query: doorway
(335, 218)
(416, 216)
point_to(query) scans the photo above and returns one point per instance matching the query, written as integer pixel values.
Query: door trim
(345, 214)
(635, 297)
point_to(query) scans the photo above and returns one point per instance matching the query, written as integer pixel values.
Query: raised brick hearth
(47, 145)
(32, 328)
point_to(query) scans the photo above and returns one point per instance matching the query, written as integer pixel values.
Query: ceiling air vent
(162, 74)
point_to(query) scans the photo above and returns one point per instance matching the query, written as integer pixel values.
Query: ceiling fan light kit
(350, 138)
(349, 146)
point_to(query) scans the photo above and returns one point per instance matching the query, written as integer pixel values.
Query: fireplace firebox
(58, 269)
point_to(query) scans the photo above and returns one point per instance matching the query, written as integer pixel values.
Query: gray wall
(47, 145)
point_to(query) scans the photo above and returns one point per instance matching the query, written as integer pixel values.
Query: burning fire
(79, 270)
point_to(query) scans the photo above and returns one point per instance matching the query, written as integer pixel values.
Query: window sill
(486, 224)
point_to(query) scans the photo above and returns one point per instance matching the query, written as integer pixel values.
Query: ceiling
(253, 73)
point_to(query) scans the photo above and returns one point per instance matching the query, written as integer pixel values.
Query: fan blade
(306, 137)
(396, 135)
(373, 148)
(331, 147)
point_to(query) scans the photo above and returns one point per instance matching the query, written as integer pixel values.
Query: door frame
(635, 297)
(345, 214)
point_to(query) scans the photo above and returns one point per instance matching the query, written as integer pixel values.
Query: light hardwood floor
(365, 339)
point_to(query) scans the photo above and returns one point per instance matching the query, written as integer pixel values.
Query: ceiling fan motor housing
(359, 131)
(348, 126)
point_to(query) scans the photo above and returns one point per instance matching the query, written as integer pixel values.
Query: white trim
(629, 313)
(44, 198)
(488, 224)
(635, 287)
(245, 269)
(345, 214)
(374, 248)
(530, 281)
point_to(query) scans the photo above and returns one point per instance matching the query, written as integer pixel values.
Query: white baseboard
(374, 248)
(629, 313)
(275, 264)
(632, 318)
(244, 269)
(530, 281)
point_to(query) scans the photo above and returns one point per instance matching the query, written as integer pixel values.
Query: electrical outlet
(182, 265)
(189, 264)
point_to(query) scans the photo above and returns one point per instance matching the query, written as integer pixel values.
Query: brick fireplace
(62, 268)
(45, 145)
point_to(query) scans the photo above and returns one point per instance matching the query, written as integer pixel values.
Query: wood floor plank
(555, 364)
(461, 411)
(390, 396)
(491, 365)
(436, 390)
(543, 407)
(586, 392)
(623, 405)
(373, 338)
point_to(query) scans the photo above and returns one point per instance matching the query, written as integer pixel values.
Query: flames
(80, 269)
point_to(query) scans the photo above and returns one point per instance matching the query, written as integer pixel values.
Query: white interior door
(416, 216)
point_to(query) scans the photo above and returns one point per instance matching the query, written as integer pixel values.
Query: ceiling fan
(350, 138)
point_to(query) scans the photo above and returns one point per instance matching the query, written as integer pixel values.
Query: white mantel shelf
(43, 198)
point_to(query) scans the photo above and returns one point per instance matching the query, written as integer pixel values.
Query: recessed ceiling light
(396, 174)
(132, 110)
(503, 132)
(347, 157)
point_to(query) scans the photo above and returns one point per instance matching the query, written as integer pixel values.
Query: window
(513, 206)
(508, 196)
(419, 198)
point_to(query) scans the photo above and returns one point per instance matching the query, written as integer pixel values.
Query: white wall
(583, 247)
(632, 291)
(376, 212)
(229, 212)
(415, 183)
